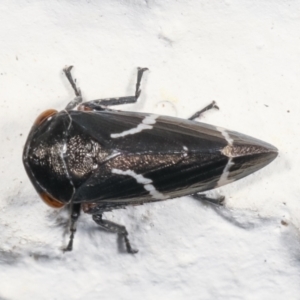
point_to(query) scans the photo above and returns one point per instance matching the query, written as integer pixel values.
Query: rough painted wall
(243, 54)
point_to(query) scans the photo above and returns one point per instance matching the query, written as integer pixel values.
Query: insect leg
(113, 227)
(76, 89)
(202, 197)
(74, 215)
(102, 103)
(138, 81)
(67, 71)
(208, 107)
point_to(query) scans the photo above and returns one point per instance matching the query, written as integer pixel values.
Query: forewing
(151, 157)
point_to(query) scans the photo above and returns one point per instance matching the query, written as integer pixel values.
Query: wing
(149, 157)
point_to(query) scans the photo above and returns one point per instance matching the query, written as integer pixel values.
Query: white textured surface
(243, 54)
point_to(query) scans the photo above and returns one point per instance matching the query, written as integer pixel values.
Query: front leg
(74, 215)
(78, 99)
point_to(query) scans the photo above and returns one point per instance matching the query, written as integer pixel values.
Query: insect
(96, 159)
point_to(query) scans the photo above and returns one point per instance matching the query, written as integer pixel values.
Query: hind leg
(116, 228)
(200, 112)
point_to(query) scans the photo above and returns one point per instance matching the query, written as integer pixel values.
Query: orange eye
(44, 116)
(51, 201)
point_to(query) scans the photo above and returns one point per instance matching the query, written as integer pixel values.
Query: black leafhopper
(97, 159)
